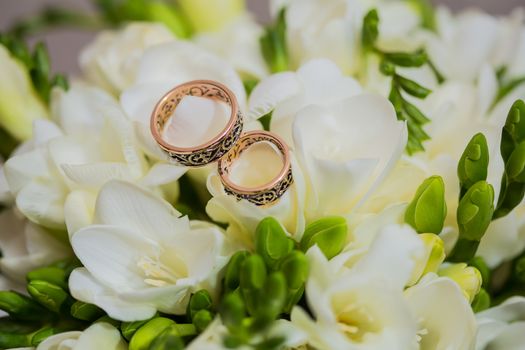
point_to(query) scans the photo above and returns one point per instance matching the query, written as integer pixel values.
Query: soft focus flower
(211, 15)
(19, 104)
(502, 327)
(97, 336)
(111, 60)
(140, 256)
(365, 306)
(26, 246)
(468, 278)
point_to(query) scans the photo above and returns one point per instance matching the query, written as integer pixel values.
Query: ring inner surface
(193, 116)
(254, 164)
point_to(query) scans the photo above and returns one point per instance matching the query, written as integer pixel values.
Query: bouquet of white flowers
(349, 177)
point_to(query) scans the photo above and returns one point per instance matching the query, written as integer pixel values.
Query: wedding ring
(213, 149)
(266, 193)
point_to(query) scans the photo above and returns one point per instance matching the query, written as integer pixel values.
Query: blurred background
(64, 45)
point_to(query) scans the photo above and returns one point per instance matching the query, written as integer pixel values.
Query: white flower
(502, 327)
(466, 42)
(321, 29)
(366, 306)
(112, 60)
(238, 44)
(97, 336)
(140, 256)
(26, 246)
(19, 104)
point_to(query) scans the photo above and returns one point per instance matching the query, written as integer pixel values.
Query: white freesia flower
(140, 256)
(111, 60)
(19, 104)
(25, 246)
(238, 44)
(466, 42)
(502, 327)
(365, 306)
(97, 336)
(320, 29)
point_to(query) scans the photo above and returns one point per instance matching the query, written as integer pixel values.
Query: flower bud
(51, 296)
(370, 30)
(427, 211)
(479, 263)
(19, 103)
(272, 298)
(54, 275)
(252, 278)
(20, 306)
(233, 270)
(202, 319)
(432, 259)
(328, 233)
(473, 165)
(128, 329)
(295, 270)
(407, 59)
(467, 277)
(412, 88)
(85, 312)
(170, 17)
(514, 129)
(271, 242)
(481, 302)
(201, 300)
(169, 339)
(210, 16)
(515, 166)
(232, 311)
(143, 337)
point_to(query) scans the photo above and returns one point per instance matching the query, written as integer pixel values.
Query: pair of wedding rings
(226, 147)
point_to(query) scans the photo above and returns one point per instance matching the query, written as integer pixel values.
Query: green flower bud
(128, 329)
(436, 255)
(42, 335)
(273, 45)
(514, 130)
(51, 296)
(233, 270)
(479, 263)
(515, 166)
(467, 277)
(407, 59)
(427, 211)
(233, 311)
(415, 113)
(145, 335)
(412, 88)
(253, 276)
(473, 165)
(271, 242)
(328, 233)
(85, 312)
(209, 16)
(481, 301)
(202, 319)
(387, 68)
(60, 81)
(370, 30)
(10, 340)
(518, 270)
(21, 307)
(272, 297)
(199, 301)
(474, 215)
(169, 339)
(41, 59)
(51, 274)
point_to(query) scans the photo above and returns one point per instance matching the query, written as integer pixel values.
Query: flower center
(355, 321)
(158, 274)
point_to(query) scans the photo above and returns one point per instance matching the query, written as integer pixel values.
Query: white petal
(79, 210)
(85, 288)
(128, 206)
(44, 131)
(22, 168)
(95, 175)
(101, 336)
(54, 342)
(511, 338)
(163, 173)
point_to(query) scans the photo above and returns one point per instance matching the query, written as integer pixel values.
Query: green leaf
(407, 59)
(328, 233)
(271, 242)
(86, 312)
(411, 87)
(370, 30)
(473, 164)
(273, 44)
(145, 335)
(427, 211)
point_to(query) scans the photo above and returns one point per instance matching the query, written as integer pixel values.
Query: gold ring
(266, 193)
(213, 149)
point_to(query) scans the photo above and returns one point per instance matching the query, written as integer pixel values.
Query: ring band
(264, 194)
(211, 150)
